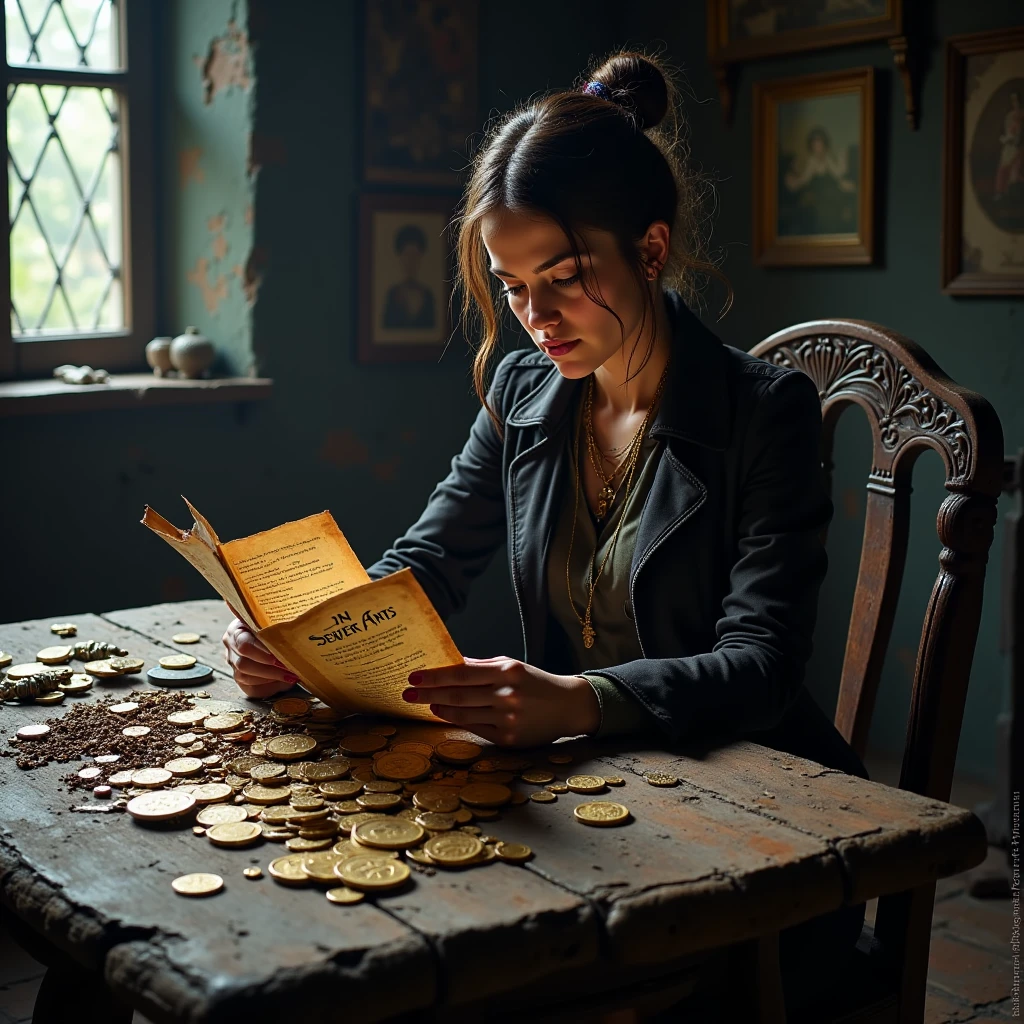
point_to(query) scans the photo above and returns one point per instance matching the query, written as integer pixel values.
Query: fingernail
(416, 677)
(411, 696)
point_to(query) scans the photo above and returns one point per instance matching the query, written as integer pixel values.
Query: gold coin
(151, 778)
(388, 833)
(160, 805)
(64, 628)
(242, 765)
(453, 848)
(601, 813)
(347, 807)
(372, 874)
(341, 894)
(218, 814)
(463, 816)
(361, 743)
(291, 747)
(557, 787)
(379, 801)
(382, 730)
(192, 716)
(350, 821)
(326, 771)
(26, 669)
(252, 873)
(126, 666)
(90, 772)
(412, 747)
(199, 883)
(514, 853)
(265, 771)
(585, 783)
(5, 659)
(614, 780)
(342, 788)
(137, 731)
(441, 800)
(458, 751)
(660, 779)
(543, 796)
(198, 830)
(419, 855)
(290, 707)
(485, 813)
(257, 794)
(212, 792)
(78, 683)
(288, 869)
(33, 732)
(126, 707)
(538, 775)
(185, 638)
(177, 661)
(55, 655)
(100, 667)
(184, 765)
(560, 758)
(120, 779)
(320, 866)
(403, 766)
(225, 722)
(485, 794)
(434, 821)
(54, 697)
(234, 833)
(382, 786)
(300, 844)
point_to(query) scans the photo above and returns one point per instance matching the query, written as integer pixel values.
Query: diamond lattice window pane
(63, 33)
(65, 209)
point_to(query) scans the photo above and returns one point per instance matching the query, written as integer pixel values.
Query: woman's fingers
(468, 717)
(254, 686)
(460, 696)
(257, 669)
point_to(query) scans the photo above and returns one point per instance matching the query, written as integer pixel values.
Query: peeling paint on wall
(226, 64)
(216, 225)
(343, 448)
(188, 166)
(213, 294)
(251, 275)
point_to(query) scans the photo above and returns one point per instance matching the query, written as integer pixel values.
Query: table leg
(69, 992)
(755, 987)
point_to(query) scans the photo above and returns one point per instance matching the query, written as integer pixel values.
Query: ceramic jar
(158, 355)
(192, 353)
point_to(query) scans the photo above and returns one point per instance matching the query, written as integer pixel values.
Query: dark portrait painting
(420, 89)
(748, 18)
(819, 147)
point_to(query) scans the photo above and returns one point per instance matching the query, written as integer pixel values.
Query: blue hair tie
(598, 89)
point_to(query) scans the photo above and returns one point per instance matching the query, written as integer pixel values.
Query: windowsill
(125, 391)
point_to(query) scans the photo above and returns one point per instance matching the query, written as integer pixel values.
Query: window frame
(134, 86)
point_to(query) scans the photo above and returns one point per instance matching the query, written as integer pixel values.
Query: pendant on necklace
(588, 633)
(604, 499)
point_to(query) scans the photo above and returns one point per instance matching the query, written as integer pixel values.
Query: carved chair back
(911, 405)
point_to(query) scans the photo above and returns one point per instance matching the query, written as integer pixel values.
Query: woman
(660, 493)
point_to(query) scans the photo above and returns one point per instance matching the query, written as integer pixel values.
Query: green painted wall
(977, 341)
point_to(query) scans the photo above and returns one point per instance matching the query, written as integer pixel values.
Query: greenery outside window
(78, 272)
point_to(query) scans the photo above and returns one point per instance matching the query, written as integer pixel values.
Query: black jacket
(729, 556)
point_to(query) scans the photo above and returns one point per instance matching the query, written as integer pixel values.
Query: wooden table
(752, 841)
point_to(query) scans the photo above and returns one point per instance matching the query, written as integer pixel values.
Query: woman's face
(530, 256)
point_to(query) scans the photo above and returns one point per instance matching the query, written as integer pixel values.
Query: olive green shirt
(616, 639)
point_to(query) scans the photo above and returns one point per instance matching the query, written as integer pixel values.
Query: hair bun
(637, 84)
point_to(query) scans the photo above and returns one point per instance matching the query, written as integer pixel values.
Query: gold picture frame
(983, 165)
(813, 160)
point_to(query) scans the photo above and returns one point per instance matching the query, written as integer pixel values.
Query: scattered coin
(90, 773)
(388, 833)
(614, 780)
(186, 638)
(265, 771)
(601, 813)
(326, 771)
(54, 697)
(543, 796)
(218, 814)
(252, 873)
(372, 873)
(120, 779)
(136, 730)
(212, 792)
(151, 777)
(199, 883)
(234, 833)
(585, 783)
(379, 801)
(55, 655)
(107, 758)
(126, 707)
(341, 788)
(259, 794)
(5, 659)
(78, 683)
(26, 669)
(288, 870)
(288, 707)
(160, 805)
(342, 894)
(179, 676)
(63, 628)
(291, 747)
(445, 801)
(453, 848)
(557, 787)
(434, 821)
(100, 667)
(412, 747)
(405, 766)
(458, 751)
(660, 779)
(538, 775)
(224, 722)
(560, 758)
(361, 743)
(36, 731)
(485, 794)
(183, 766)
(193, 717)
(101, 791)
(177, 661)
(126, 666)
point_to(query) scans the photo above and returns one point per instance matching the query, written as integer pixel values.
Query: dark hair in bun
(610, 154)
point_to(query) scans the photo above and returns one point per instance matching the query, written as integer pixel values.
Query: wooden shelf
(125, 391)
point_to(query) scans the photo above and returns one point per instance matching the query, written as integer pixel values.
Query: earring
(652, 271)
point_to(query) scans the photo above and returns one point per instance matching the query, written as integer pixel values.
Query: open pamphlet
(300, 588)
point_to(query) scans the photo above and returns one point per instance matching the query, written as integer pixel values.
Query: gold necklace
(606, 495)
(589, 634)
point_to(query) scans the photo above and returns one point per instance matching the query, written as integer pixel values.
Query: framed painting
(814, 169)
(983, 165)
(420, 89)
(405, 269)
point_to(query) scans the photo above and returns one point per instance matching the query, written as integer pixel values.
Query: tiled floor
(968, 977)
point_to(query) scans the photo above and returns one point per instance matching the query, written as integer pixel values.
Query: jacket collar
(695, 406)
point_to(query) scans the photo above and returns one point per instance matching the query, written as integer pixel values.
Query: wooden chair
(911, 405)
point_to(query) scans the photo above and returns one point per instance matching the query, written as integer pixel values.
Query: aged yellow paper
(357, 649)
(288, 570)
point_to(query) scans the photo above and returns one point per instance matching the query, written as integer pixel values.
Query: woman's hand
(257, 672)
(506, 701)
